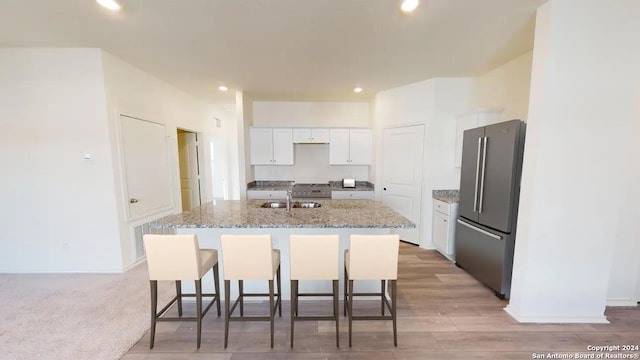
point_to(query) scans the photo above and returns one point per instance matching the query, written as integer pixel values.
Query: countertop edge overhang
(336, 214)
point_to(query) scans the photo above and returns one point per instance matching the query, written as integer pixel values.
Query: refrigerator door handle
(497, 237)
(475, 193)
(484, 168)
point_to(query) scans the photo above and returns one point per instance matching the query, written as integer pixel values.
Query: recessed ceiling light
(109, 4)
(357, 90)
(409, 5)
(222, 88)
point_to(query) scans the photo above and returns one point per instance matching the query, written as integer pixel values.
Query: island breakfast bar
(342, 217)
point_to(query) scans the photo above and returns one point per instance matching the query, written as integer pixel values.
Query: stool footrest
(315, 294)
(312, 318)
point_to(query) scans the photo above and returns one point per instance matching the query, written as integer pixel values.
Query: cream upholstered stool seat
(314, 257)
(249, 257)
(372, 257)
(177, 258)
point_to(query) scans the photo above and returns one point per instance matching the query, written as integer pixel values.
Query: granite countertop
(249, 214)
(360, 186)
(448, 196)
(275, 185)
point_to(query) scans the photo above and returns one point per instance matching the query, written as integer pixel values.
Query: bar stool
(249, 257)
(177, 258)
(314, 257)
(372, 257)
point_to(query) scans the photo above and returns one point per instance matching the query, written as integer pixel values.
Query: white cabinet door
(350, 147)
(339, 147)
(352, 195)
(470, 121)
(266, 195)
(282, 147)
(261, 143)
(302, 136)
(320, 136)
(310, 136)
(271, 146)
(360, 147)
(441, 232)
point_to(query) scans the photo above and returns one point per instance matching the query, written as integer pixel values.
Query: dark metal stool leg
(382, 297)
(179, 294)
(336, 288)
(154, 308)
(216, 285)
(350, 309)
(346, 281)
(199, 310)
(394, 291)
(241, 292)
(294, 284)
(279, 292)
(271, 309)
(227, 299)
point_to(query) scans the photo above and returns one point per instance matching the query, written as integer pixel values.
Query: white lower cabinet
(444, 227)
(266, 195)
(352, 195)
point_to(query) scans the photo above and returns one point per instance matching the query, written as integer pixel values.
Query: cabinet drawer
(352, 195)
(266, 195)
(441, 206)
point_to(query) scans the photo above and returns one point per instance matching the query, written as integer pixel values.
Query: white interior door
(146, 167)
(402, 149)
(189, 169)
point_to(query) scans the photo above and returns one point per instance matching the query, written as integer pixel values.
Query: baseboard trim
(622, 302)
(598, 319)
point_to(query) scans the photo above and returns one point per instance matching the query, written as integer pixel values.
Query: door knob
(133, 201)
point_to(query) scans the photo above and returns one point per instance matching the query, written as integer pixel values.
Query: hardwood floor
(443, 313)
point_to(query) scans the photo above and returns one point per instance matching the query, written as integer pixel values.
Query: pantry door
(147, 172)
(402, 153)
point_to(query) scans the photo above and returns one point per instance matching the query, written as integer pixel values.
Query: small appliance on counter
(348, 183)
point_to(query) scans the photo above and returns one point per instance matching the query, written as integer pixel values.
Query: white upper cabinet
(310, 136)
(271, 146)
(350, 147)
(473, 120)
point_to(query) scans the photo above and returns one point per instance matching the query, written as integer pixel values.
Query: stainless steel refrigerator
(488, 209)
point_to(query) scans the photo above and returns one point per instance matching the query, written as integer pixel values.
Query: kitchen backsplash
(311, 166)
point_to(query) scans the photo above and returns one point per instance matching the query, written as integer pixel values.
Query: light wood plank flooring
(443, 313)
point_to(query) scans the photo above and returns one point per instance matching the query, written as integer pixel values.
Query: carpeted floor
(74, 316)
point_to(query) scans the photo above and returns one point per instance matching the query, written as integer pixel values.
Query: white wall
(58, 211)
(506, 87)
(311, 161)
(310, 114)
(63, 213)
(133, 92)
(434, 103)
(579, 195)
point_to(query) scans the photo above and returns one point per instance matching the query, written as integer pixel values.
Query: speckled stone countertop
(249, 214)
(448, 196)
(270, 185)
(360, 186)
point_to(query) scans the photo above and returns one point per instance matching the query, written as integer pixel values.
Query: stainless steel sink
(306, 204)
(295, 204)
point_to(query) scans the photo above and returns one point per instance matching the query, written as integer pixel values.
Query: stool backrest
(172, 257)
(247, 257)
(314, 257)
(373, 257)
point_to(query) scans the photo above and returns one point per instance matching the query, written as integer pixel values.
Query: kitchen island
(342, 217)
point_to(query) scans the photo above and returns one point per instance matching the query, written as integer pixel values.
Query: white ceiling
(283, 49)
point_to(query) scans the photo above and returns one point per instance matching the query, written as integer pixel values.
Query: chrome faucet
(289, 199)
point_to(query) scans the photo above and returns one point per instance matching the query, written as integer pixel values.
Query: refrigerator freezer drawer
(486, 255)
